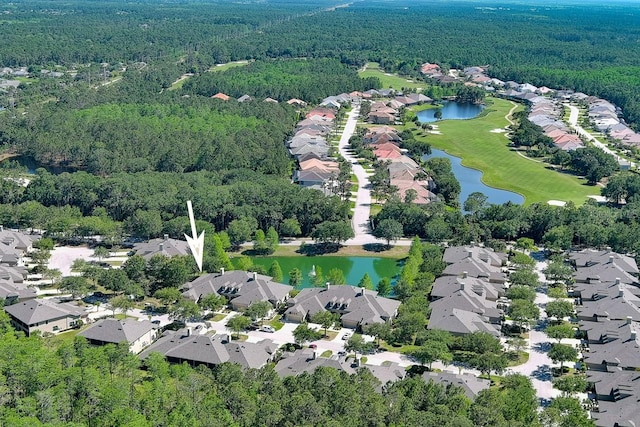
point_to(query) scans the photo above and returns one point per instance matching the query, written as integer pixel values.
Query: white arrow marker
(196, 243)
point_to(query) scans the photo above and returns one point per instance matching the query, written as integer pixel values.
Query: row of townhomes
(466, 298)
(404, 173)
(607, 293)
(311, 148)
(14, 246)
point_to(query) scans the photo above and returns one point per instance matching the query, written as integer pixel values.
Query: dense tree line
(153, 203)
(309, 80)
(77, 32)
(184, 135)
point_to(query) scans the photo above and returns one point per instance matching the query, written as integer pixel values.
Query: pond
(352, 267)
(470, 182)
(451, 110)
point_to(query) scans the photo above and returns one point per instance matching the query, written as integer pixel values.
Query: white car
(267, 328)
(346, 336)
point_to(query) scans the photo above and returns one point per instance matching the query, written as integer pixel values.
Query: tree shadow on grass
(375, 247)
(319, 249)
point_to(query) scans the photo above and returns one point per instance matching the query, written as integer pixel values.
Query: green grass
(523, 357)
(331, 335)
(64, 337)
(326, 353)
(223, 67)
(393, 81)
(179, 83)
(276, 323)
(503, 168)
(218, 317)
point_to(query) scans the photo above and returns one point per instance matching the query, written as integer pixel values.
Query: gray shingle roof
(304, 360)
(470, 384)
(455, 254)
(353, 303)
(244, 286)
(181, 346)
(40, 310)
(116, 331)
(589, 257)
(165, 246)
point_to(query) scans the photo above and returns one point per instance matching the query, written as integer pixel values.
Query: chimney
(255, 275)
(611, 259)
(620, 292)
(633, 335)
(166, 237)
(465, 274)
(222, 270)
(188, 332)
(315, 355)
(1, 228)
(470, 254)
(629, 318)
(161, 247)
(328, 285)
(617, 280)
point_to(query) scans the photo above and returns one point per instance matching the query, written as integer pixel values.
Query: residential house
(324, 113)
(184, 346)
(245, 98)
(323, 165)
(381, 118)
(241, 288)
(165, 246)
(271, 100)
(315, 177)
(12, 285)
(221, 96)
(137, 334)
(14, 245)
(445, 286)
(306, 360)
(454, 254)
(470, 384)
(591, 257)
(45, 315)
(357, 307)
(297, 102)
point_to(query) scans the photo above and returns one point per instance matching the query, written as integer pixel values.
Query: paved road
(538, 367)
(573, 122)
(361, 214)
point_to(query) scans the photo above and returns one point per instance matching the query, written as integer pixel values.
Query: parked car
(267, 328)
(346, 336)
(313, 346)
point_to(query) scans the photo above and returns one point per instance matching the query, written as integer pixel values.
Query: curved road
(573, 122)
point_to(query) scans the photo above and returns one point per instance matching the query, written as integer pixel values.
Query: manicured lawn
(218, 317)
(64, 337)
(276, 323)
(326, 353)
(396, 252)
(479, 148)
(393, 81)
(331, 335)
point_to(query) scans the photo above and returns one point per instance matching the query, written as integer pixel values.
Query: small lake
(470, 182)
(352, 267)
(451, 110)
